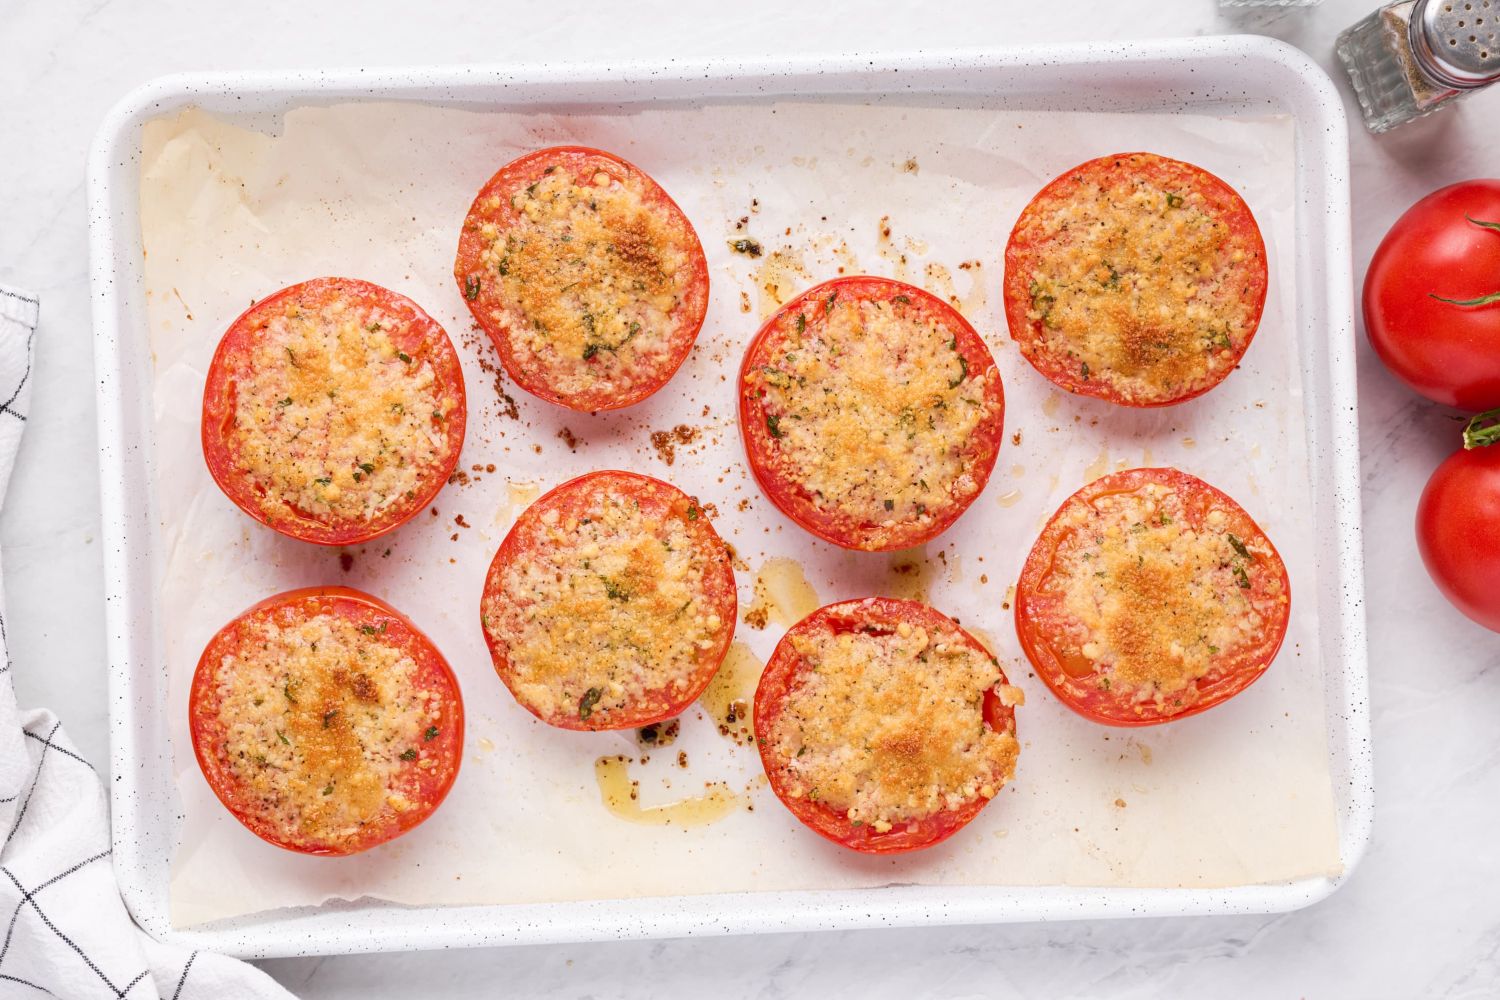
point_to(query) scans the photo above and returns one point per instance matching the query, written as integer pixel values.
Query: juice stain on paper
(730, 696)
(782, 594)
(621, 796)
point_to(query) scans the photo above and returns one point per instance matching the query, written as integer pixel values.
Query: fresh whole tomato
(1458, 523)
(1432, 296)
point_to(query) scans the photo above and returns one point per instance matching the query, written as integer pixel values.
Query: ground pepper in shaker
(1410, 58)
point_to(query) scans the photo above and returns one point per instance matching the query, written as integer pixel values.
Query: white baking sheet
(1237, 796)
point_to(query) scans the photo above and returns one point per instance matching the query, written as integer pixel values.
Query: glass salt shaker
(1412, 57)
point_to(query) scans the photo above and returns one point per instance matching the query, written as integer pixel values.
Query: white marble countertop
(1420, 917)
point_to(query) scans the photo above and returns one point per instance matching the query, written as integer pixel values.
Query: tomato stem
(1482, 430)
(1479, 222)
(1483, 300)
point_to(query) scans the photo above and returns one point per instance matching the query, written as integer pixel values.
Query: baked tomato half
(883, 725)
(610, 603)
(334, 410)
(586, 275)
(1136, 279)
(1151, 596)
(325, 721)
(871, 412)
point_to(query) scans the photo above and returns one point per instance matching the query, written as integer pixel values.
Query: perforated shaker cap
(1457, 42)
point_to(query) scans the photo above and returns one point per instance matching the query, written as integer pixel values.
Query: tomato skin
(1227, 677)
(421, 336)
(1458, 532)
(1224, 200)
(720, 593)
(981, 451)
(1446, 352)
(581, 161)
(782, 672)
(433, 672)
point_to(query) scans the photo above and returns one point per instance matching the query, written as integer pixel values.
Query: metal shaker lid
(1457, 42)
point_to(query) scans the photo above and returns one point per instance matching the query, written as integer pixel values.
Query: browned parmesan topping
(1133, 284)
(1154, 600)
(607, 606)
(592, 276)
(321, 721)
(890, 727)
(332, 417)
(871, 408)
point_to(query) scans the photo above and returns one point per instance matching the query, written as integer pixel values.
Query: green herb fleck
(801, 322)
(1084, 369)
(471, 288)
(285, 402)
(410, 753)
(1241, 577)
(328, 788)
(1239, 546)
(692, 513)
(282, 737)
(406, 358)
(890, 505)
(750, 248)
(588, 701)
(431, 734)
(773, 425)
(1174, 200)
(828, 306)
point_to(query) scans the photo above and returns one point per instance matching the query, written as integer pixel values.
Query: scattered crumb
(568, 438)
(346, 561)
(667, 442)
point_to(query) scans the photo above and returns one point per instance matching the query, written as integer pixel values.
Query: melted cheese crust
(888, 728)
(604, 607)
(1135, 284)
(871, 411)
(1154, 602)
(592, 275)
(316, 717)
(332, 417)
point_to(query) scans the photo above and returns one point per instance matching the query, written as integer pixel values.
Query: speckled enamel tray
(1238, 75)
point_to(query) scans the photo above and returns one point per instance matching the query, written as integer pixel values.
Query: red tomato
(785, 671)
(1054, 637)
(1143, 360)
(309, 730)
(1432, 296)
(1458, 524)
(227, 424)
(572, 303)
(546, 544)
(876, 512)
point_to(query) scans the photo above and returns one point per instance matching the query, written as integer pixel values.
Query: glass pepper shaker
(1412, 57)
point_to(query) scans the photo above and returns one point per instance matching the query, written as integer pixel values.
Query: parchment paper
(1238, 795)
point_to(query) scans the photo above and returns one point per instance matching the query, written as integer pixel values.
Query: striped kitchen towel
(64, 931)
